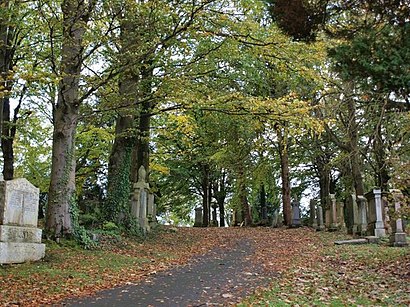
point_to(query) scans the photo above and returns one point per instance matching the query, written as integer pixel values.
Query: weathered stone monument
(362, 207)
(327, 218)
(375, 210)
(352, 212)
(333, 213)
(398, 236)
(20, 239)
(341, 215)
(295, 214)
(198, 217)
(313, 219)
(140, 200)
(319, 214)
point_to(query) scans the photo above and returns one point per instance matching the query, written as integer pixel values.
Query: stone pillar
(352, 212)
(20, 239)
(152, 210)
(341, 215)
(198, 217)
(295, 214)
(398, 236)
(333, 213)
(214, 221)
(327, 218)
(375, 216)
(319, 214)
(362, 207)
(313, 219)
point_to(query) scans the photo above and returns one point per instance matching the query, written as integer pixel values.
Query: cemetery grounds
(305, 268)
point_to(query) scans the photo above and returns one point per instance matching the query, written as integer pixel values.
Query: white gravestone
(375, 209)
(20, 239)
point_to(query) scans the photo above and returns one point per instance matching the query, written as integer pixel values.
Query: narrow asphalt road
(220, 277)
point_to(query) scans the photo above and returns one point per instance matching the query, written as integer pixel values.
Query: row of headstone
(143, 207)
(365, 215)
(20, 239)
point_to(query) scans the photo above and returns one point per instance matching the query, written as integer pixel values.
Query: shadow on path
(218, 278)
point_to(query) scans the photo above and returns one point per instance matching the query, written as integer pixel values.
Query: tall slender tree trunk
(7, 140)
(355, 159)
(205, 195)
(284, 167)
(243, 196)
(219, 192)
(382, 174)
(142, 151)
(65, 118)
(262, 197)
(7, 127)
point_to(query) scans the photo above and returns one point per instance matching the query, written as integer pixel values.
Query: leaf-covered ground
(308, 268)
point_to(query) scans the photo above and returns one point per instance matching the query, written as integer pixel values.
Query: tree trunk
(120, 176)
(7, 129)
(284, 167)
(118, 188)
(219, 192)
(382, 174)
(243, 197)
(355, 161)
(324, 179)
(7, 140)
(65, 118)
(262, 197)
(205, 196)
(141, 155)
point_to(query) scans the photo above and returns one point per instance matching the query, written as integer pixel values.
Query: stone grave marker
(375, 209)
(198, 217)
(295, 214)
(319, 214)
(341, 215)
(20, 239)
(352, 212)
(362, 207)
(313, 219)
(398, 236)
(275, 218)
(140, 200)
(333, 213)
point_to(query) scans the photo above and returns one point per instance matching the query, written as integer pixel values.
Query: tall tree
(76, 14)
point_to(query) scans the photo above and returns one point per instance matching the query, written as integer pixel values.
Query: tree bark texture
(120, 174)
(243, 197)
(65, 118)
(219, 191)
(284, 167)
(354, 151)
(7, 126)
(205, 195)
(144, 123)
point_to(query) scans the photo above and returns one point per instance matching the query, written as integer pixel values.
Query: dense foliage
(241, 104)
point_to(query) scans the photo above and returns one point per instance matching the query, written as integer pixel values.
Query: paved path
(219, 278)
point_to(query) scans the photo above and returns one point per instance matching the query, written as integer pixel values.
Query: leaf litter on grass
(308, 268)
